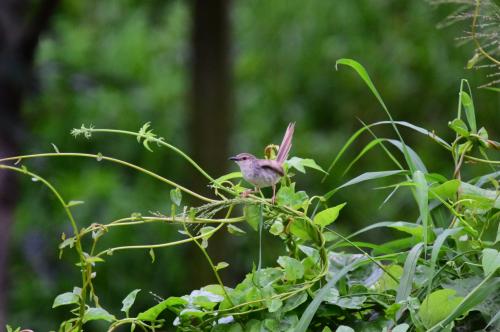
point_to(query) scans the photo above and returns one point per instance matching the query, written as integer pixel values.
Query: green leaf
(437, 306)
(277, 227)
(274, 305)
(227, 177)
(294, 301)
(293, 268)
(490, 261)
(152, 255)
(408, 227)
(97, 314)
(172, 303)
(74, 203)
(475, 297)
(458, 126)
(235, 230)
(65, 299)
(405, 285)
(288, 197)
(326, 217)
(445, 190)
(364, 177)
(310, 312)
(253, 215)
(401, 328)
(344, 328)
(303, 230)
(385, 282)
(470, 114)
(221, 265)
(129, 300)
(176, 196)
(300, 164)
(422, 197)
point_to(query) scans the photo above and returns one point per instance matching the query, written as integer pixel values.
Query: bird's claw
(246, 193)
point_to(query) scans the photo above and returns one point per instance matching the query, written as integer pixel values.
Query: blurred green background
(119, 64)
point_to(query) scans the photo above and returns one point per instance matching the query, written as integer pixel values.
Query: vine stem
(161, 245)
(158, 141)
(78, 245)
(207, 256)
(115, 160)
(144, 220)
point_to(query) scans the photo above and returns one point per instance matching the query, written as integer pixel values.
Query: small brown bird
(265, 172)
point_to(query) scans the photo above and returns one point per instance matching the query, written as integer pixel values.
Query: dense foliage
(439, 273)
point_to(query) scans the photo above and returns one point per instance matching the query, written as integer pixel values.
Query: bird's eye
(243, 158)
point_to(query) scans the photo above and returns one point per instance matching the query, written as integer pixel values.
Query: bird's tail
(286, 144)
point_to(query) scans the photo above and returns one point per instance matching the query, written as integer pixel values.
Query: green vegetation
(438, 272)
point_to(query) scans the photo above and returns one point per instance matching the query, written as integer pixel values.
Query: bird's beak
(233, 158)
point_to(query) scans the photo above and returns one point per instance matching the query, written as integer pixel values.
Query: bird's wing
(272, 165)
(286, 144)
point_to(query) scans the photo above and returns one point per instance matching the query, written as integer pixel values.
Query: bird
(265, 172)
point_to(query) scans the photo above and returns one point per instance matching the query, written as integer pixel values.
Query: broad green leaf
(385, 282)
(326, 217)
(253, 215)
(437, 306)
(470, 114)
(445, 190)
(300, 164)
(469, 190)
(344, 328)
(227, 177)
(401, 328)
(65, 299)
(459, 127)
(274, 305)
(474, 298)
(176, 196)
(288, 197)
(129, 300)
(97, 314)
(408, 227)
(293, 268)
(294, 301)
(277, 227)
(490, 261)
(303, 230)
(173, 303)
(235, 230)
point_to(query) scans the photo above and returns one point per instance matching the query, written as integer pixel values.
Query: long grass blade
(311, 309)
(364, 177)
(476, 296)
(405, 285)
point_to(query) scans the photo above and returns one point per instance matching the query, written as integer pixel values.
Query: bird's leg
(273, 200)
(247, 192)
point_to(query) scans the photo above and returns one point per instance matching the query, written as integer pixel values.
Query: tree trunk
(21, 24)
(210, 106)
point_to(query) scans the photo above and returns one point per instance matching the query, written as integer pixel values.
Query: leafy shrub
(442, 274)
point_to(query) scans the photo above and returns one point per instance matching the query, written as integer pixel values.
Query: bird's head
(243, 159)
